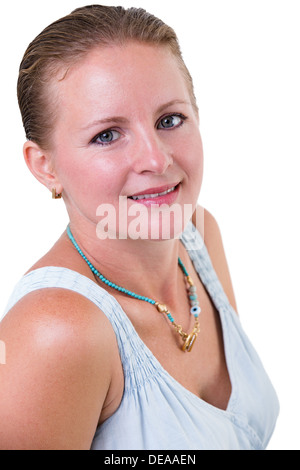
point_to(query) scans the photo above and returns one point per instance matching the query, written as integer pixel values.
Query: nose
(151, 153)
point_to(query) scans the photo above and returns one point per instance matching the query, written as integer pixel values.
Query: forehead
(123, 75)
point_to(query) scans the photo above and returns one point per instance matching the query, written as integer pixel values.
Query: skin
(63, 374)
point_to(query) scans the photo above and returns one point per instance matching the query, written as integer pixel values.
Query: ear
(40, 164)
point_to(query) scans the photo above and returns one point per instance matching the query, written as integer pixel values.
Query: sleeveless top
(156, 411)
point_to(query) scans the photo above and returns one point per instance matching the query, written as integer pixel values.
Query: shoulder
(210, 231)
(61, 354)
(58, 310)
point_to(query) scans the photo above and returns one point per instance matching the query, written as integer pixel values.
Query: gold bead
(190, 280)
(161, 307)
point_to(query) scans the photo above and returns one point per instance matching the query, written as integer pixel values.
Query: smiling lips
(162, 195)
(147, 196)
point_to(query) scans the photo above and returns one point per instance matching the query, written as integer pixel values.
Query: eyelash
(105, 144)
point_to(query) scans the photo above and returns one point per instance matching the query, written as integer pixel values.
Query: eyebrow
(123, 120)
(171, 103)
(113, 119)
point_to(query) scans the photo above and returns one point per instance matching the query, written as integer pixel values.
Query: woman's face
(127, 128)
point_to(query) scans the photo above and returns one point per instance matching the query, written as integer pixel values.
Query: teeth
(151, 196)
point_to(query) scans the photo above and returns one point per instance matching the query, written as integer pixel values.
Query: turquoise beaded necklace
(188, 339)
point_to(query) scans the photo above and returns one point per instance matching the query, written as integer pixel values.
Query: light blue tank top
(156, 412)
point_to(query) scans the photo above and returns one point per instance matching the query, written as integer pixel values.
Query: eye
(171, 121)
(106, 137)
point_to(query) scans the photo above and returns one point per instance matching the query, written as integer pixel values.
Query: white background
(244, 57)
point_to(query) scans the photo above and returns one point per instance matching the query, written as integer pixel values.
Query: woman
(127, 332)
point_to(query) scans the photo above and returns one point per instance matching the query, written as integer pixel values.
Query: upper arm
(57, 372)
(210, 231)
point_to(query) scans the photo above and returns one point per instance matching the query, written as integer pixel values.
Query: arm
(57, 374)
(213, 242)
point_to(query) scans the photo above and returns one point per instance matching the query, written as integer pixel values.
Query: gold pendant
(189, 343)
(190, 340)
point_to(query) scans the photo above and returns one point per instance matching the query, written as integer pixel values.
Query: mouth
(162, 195)
(152, 195)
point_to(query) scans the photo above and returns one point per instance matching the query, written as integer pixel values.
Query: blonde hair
(69, 39)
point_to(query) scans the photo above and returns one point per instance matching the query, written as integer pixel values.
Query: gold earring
(54, 195)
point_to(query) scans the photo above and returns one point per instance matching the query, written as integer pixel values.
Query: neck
(142, 266)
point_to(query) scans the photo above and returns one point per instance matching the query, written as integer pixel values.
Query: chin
(159, 222)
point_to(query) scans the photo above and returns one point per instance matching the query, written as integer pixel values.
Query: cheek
(89, 179)
(198, 162)
(193, 165)
(193, 158)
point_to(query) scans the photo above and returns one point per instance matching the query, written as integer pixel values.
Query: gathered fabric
(156, 411)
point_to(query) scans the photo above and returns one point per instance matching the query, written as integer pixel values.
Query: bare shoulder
(61, 354)
(211, 233)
